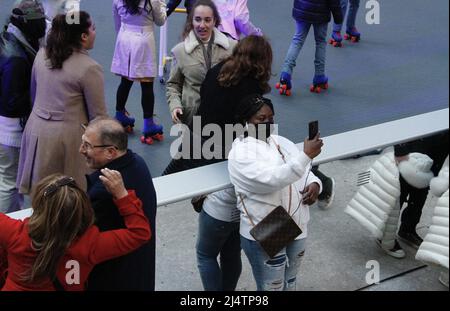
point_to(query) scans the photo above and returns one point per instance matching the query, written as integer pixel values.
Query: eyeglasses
(87, 146)
(64, 181)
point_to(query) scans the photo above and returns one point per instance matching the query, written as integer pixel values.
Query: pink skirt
(134, 55)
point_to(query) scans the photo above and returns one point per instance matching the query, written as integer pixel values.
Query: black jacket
(317, 11)
(217, 103)
(217, 106)
(173, 4)
(135, 271)
(16, 62)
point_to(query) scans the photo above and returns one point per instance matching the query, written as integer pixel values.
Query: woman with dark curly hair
(67, 90)
(247, 71)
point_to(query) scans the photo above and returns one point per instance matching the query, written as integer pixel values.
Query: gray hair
(111, 132)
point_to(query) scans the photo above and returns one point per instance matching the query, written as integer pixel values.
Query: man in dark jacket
(104, 144)
(307, 13)
(19, 43)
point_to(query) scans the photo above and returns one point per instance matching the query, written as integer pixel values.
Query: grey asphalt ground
(399, 69)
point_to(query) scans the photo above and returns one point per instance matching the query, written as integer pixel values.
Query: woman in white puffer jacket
(434, 248)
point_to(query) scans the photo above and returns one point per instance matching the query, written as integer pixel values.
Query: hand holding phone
(313, 147)
(313, 129)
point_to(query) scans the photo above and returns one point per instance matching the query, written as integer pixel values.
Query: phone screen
(313, 129)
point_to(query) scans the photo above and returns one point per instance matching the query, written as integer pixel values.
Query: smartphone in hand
(313, 129)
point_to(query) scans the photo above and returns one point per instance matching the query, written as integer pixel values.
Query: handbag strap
(290, 190)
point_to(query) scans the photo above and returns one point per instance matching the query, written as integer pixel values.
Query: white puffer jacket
(434, 248)
(373, 204)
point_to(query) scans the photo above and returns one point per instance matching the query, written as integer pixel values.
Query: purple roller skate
(285, 85)
(126, 120)
(336, 39)
(352, 34)
(319, 83)
(151, 132)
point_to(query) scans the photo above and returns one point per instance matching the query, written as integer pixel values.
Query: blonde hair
(61, 213)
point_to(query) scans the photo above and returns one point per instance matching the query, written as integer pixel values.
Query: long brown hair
(252, 56)
(61, 213)
(189, 20)
(64, 38)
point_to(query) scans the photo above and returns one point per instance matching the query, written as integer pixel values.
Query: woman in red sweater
(57, 247)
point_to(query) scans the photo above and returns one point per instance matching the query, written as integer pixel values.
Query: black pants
(326, 183)
(147, 98)
(415, 199)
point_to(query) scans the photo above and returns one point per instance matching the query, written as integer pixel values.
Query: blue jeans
(277, 273)
(10, 198)
(218, 237)
(352, 11)
(320, 35)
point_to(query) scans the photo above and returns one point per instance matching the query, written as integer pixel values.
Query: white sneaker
(396, 251)
(327, 202)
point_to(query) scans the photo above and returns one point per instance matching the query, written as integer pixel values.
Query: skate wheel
(331, 41)
(311, 89)
(277, 86)
(129, 129)
(288, 93)
(325, 86)
(284, 87)
(354, 39)
(281, 92)
(158, 137)
(346, 37)
(146, 140)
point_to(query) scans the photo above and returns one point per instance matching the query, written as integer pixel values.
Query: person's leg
(212, 235)
(10, 199)
(338, 27)
(230, 258)
(352, 12)
(413, 211)
(122, 93)
(268, 272)
(320, 35)
(147, 99)
(296, 45)
(295, 252)
(328, 185)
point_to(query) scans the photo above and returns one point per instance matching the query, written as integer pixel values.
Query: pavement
(338, 248)
(398, 69)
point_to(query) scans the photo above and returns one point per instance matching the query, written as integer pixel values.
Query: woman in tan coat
(68, 91)
(204, 46)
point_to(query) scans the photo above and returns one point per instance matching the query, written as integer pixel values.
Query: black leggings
(147, 99)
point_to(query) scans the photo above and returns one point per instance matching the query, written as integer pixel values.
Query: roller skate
(285, 85)
(319, 83)
(126, 120)
(151, 132)
(336, 39)
(352, 34)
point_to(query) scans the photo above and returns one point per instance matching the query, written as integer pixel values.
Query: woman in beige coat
(68, 90)
(204, 46)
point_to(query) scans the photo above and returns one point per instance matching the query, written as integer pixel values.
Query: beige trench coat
(189, 70)
(63, 100)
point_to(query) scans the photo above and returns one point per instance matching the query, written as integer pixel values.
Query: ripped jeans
(278, 273)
